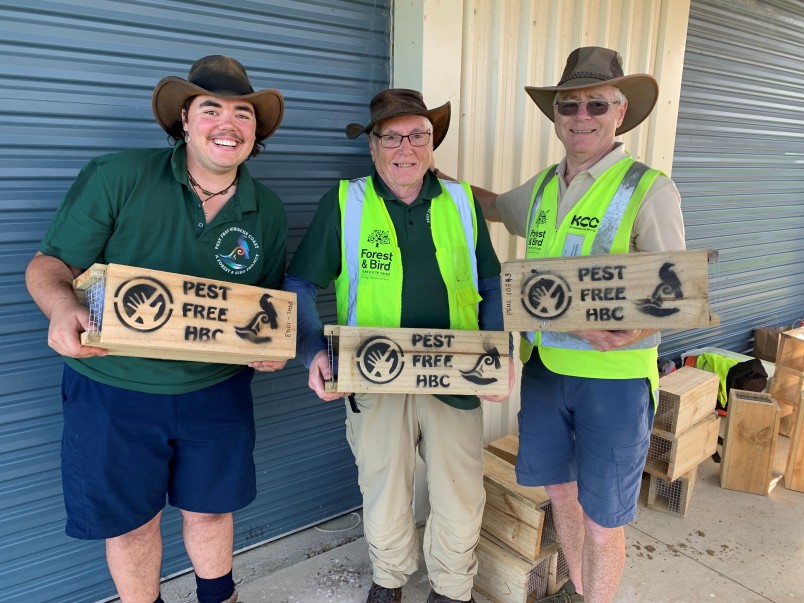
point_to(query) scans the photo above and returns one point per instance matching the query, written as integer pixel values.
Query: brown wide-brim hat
(220, 76)
(592, 66)
(398, 102)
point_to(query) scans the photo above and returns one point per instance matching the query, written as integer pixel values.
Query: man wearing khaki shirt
(588, 396)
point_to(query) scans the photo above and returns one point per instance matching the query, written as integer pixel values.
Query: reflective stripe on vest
(612, 236)
(354, 196)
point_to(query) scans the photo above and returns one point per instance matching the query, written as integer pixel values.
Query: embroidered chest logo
(237, 251)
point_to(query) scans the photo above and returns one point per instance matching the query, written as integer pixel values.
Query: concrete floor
(730, 547)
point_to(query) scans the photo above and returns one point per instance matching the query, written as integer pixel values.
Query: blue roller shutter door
(77, 79)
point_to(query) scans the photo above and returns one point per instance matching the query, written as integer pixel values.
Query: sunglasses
(593, 107)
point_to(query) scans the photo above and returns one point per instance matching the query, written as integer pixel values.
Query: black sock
(215, 590)
(159, 599)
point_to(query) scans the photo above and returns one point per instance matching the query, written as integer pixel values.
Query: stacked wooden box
(684, 434)
(749, 442)
(518, 554)
(787, 387)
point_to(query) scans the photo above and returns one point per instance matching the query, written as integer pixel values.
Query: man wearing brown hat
(588, 396)
(136, 429)
(405, 249)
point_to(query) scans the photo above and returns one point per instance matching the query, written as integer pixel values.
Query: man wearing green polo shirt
(137, 430)
(405, 249)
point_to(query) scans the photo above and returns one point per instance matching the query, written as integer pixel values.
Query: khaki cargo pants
(384, 437)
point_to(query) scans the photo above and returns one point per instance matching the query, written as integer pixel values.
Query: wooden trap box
(517, 516)
(430, 361)
(668, 290)
(790, 352)
(153, 314)
(686, 396)
(749, 442)
(504, 577)
(506, 447)
(674, 455)
(519, 555)
(789, 416)
(794, 470)
(787, 385)
(671, 497)
(557, 576)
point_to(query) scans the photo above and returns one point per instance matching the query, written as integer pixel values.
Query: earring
(186, 137)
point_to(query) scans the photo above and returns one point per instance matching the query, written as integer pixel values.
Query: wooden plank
(515, 515)
(749, 442)
(794, 470)
(686, 396)
(432, 361)
(789, 416)
(513, 523)
(154, 314)
(504, 577)
(667, 290)
(506, 447)
(501, 575)
(787, 385)
(502, 473)
(674, 455)
(559, 572)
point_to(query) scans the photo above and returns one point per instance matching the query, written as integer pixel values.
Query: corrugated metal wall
(76, 80)
(739, 163)
(499, 138)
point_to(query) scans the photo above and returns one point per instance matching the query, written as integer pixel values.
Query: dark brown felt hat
(220, 76)
(592, 66)
(398, 102)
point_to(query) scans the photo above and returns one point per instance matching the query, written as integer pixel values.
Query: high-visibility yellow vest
(601, 222)
(369, 288)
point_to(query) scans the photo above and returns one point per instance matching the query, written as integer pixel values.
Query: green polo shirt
(136, 208)
(424, 295)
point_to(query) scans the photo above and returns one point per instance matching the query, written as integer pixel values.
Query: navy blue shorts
(123, 451)
(592, 431)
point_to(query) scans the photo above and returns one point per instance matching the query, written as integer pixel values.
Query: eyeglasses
(593, 107)
(393, 141)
